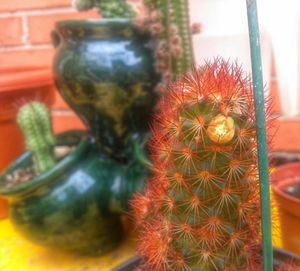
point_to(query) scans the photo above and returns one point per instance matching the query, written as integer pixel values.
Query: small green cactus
(83, 5)
(115, 9)
(35, 121)
(107, 8)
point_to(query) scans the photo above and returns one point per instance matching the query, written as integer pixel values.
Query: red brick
(10, 31)
(40, 26)
(16, 5)
(65, 120)
(32, 57)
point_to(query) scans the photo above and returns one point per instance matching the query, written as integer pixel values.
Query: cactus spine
(200, 211)
(107, 8)
(35, 121)
(169, 21)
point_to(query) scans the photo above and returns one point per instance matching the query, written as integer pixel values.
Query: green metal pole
(261, 134)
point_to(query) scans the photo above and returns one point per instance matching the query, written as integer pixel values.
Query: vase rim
(60, 168)
(94, 22)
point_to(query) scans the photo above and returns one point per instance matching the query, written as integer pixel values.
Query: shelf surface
(17, 254)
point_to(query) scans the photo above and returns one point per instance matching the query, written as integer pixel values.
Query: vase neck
(136, 173)
(98, 29)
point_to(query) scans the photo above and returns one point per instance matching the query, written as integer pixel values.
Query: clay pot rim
(60, 168)
(278, 185)
(77, 28)
(23, 78)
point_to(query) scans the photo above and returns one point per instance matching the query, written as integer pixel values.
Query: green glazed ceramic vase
(77, 205)
(105, 71)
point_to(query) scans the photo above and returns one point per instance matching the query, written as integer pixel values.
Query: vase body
(105, 71)
(77, 205)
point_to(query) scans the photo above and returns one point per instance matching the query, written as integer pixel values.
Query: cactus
(200, 211)
(35, 123)
(169, 21)
(83, 5)
(107, 8)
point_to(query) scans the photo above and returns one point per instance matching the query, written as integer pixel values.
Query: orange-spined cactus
(200, 211)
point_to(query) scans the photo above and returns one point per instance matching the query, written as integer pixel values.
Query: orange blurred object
(285, 180)
(18, 86)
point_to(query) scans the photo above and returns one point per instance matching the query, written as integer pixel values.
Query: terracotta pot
(286, 187)
(17, 86)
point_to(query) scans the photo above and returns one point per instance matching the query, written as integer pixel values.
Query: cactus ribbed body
(35, 121)
(115, 8)
(108, 8)
(170, 23)
(201, 209)
(83, 5)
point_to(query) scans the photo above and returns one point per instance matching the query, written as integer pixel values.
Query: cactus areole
(201, 211)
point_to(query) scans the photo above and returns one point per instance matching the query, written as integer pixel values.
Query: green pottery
(77, 205)
(105, 71)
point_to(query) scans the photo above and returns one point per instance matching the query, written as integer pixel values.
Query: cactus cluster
(200, 211)
(107, 8)
(35, 122)
(169, 22)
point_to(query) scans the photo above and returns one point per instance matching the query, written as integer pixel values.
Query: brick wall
(25, 27)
